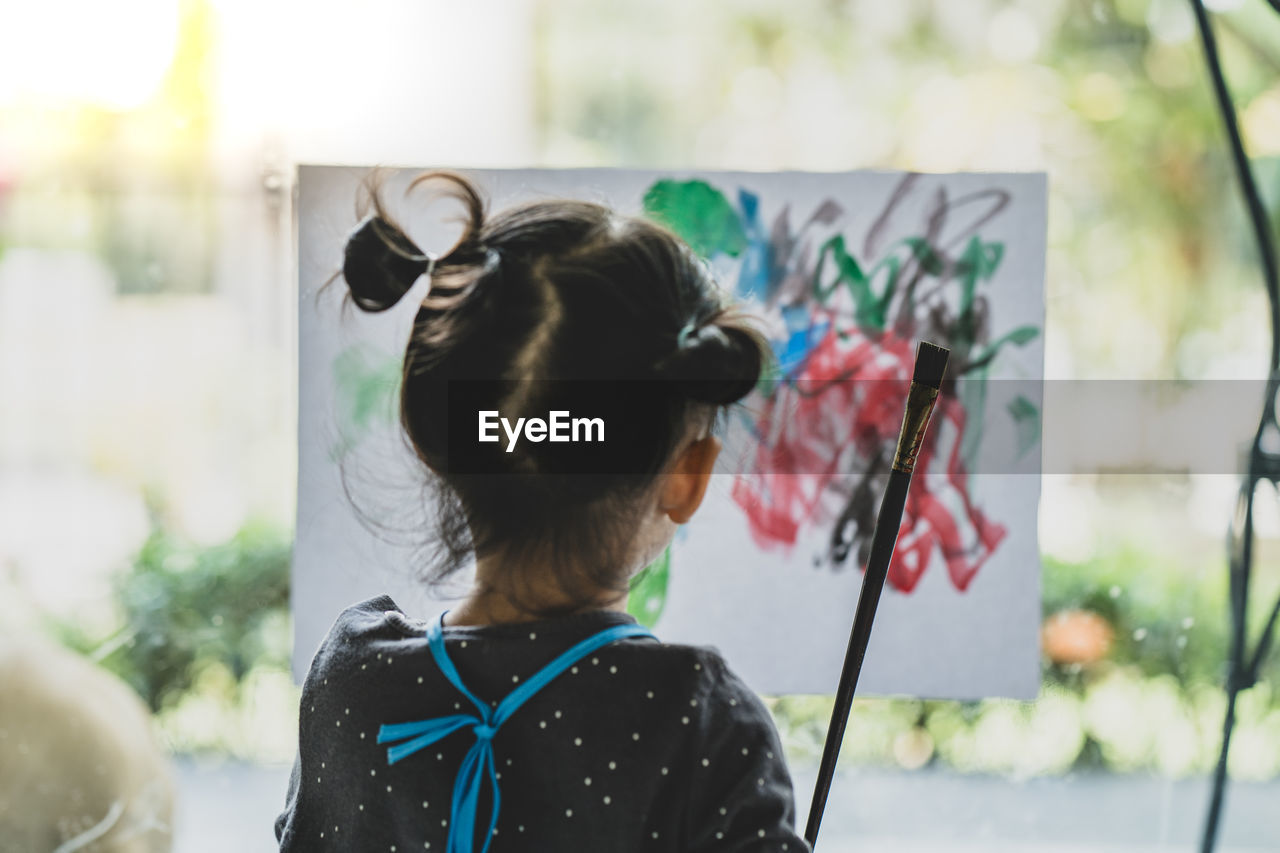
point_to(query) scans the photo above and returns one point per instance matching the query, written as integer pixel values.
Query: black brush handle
(883, 540)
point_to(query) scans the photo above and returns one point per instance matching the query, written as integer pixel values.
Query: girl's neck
(480, 611)
(490, 604)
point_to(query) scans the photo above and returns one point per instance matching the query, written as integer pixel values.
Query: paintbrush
(931, 364)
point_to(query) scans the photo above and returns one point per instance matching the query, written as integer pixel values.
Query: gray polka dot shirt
(640, 746)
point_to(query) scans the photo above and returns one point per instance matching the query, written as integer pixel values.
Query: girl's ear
(686, 481)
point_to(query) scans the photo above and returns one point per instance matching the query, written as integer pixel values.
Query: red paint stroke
(847, 400)
(928, 523)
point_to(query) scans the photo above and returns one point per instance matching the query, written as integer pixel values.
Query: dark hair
(542, 293)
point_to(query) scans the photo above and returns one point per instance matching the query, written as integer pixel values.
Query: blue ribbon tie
(485, 723)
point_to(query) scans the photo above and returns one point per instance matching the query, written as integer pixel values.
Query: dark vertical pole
(1239, 673)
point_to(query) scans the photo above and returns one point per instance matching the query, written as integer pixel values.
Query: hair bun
(380, 264)
(714, 363)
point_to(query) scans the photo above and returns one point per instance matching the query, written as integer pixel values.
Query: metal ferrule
(920, 400)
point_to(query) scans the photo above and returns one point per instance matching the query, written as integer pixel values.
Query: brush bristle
(931, 364)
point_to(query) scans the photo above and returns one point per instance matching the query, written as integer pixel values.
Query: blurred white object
(82, 769)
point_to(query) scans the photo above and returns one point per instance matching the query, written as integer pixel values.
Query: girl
(538, 715)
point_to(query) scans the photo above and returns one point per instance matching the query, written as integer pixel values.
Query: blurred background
(147, 346)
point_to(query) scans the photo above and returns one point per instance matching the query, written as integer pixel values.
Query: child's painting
(845, 272)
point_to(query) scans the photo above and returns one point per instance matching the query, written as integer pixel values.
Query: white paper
(779, 612)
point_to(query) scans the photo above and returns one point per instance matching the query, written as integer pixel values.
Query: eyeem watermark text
(558, 426)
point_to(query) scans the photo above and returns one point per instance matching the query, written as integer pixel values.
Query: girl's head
(552, 305)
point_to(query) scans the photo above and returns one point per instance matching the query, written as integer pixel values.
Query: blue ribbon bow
(479, 762)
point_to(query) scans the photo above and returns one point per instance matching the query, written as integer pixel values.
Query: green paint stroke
(699, 213)
(869, 309)
(366, 383)
(1020, 336)
(972, 391)
(648, 596)
(973, 397)
(979, 262)
(871, 305)
(1026, 420)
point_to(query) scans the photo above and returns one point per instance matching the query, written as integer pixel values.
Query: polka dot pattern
(636, 731)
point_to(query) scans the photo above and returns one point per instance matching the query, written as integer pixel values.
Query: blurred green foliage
(185, 609)
(1153, 702)
(1109, 96)
(1167, 619)
(205, 641)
